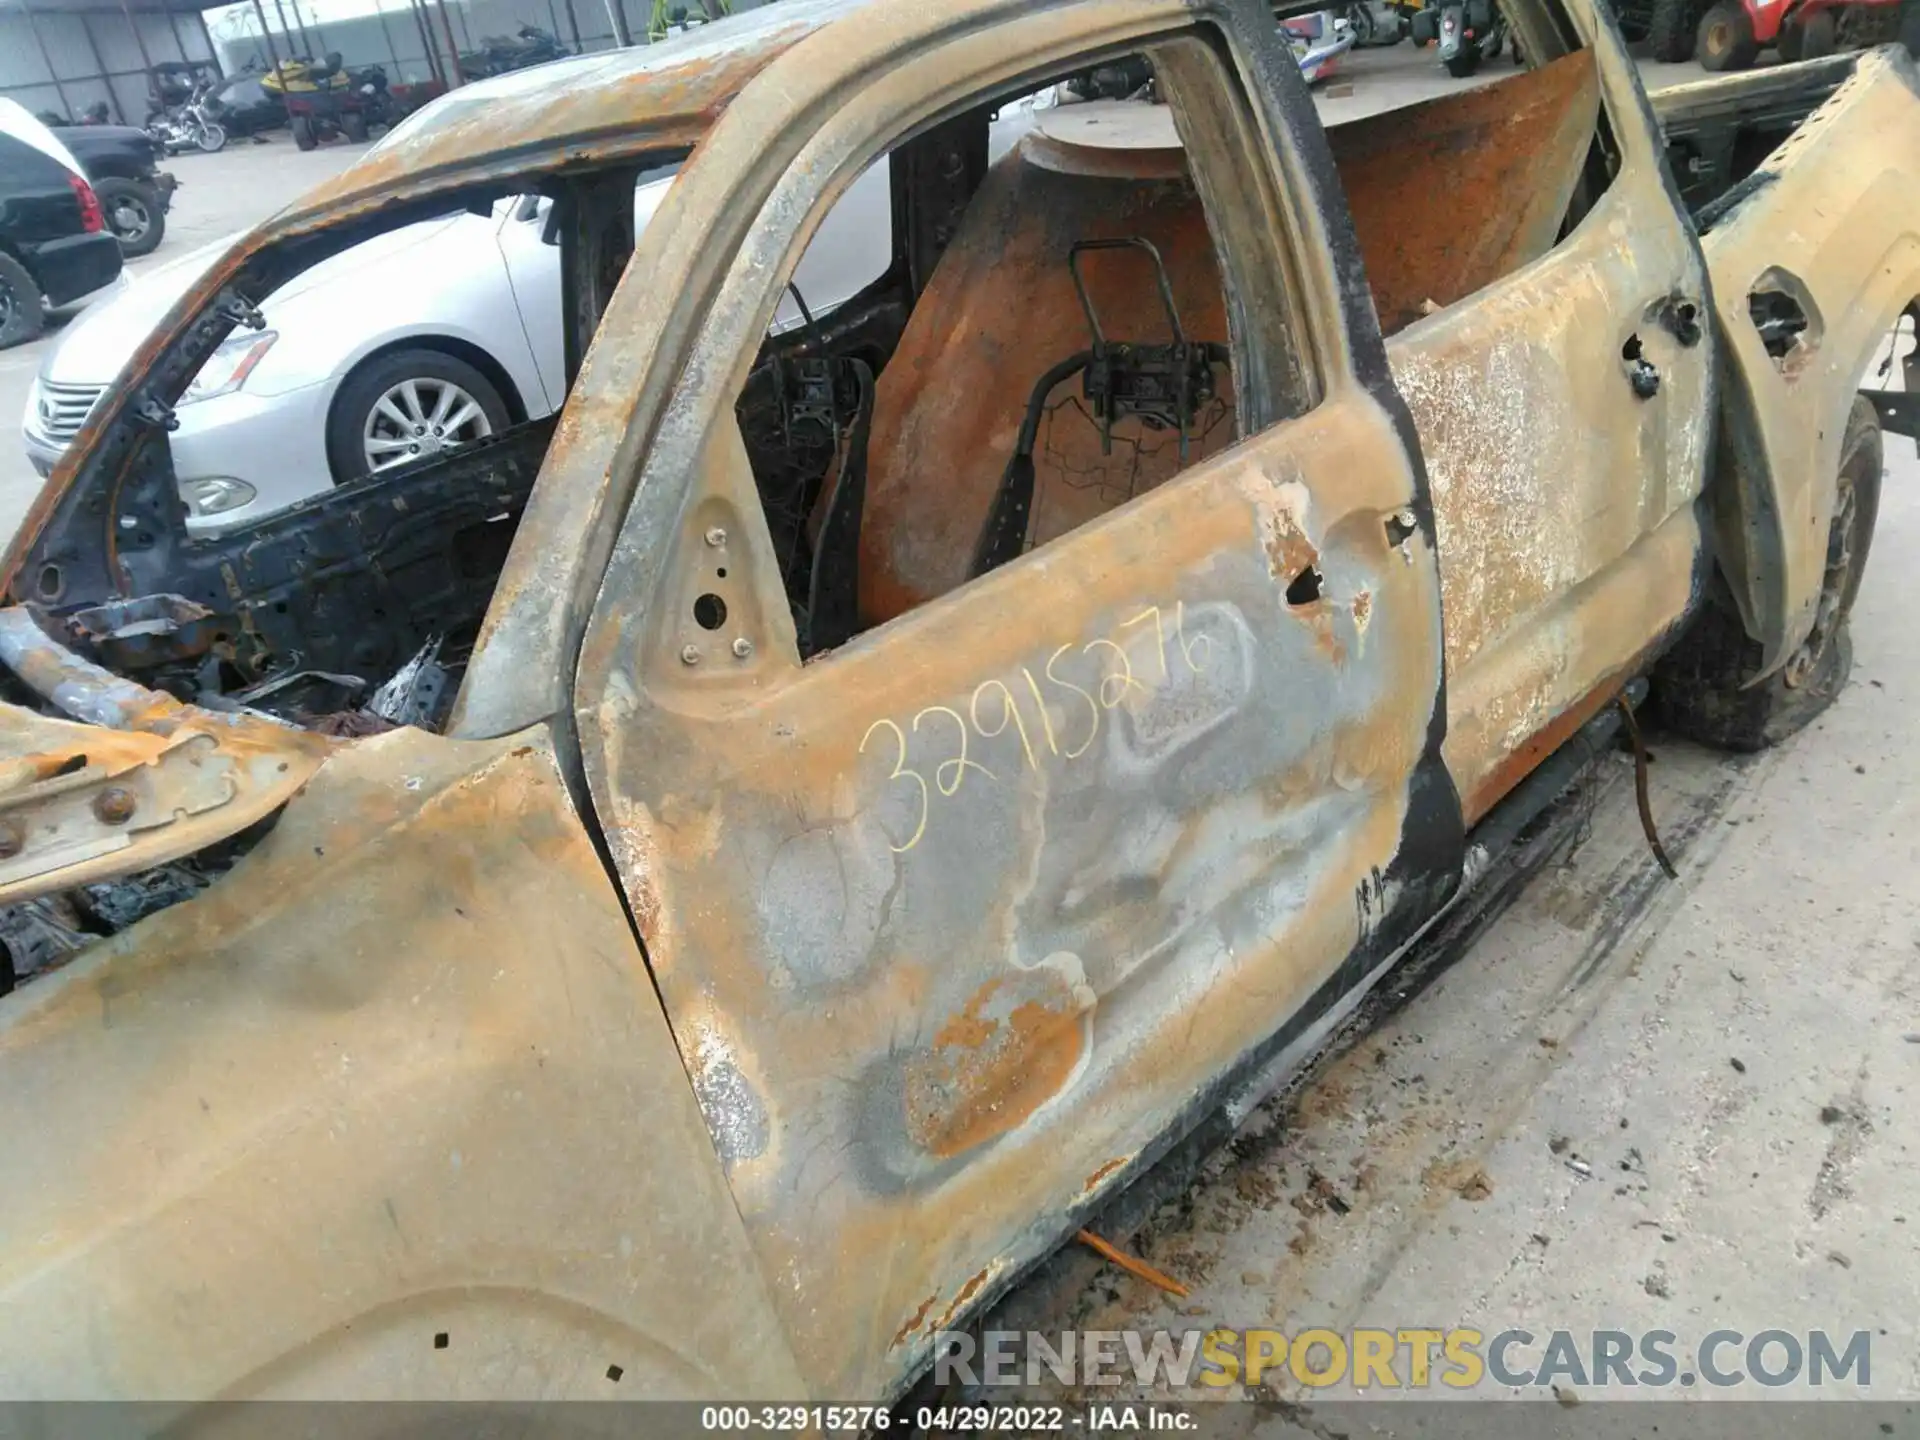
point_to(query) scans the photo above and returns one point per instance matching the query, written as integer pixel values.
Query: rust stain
(1093, 1180)
(986, 1072)
(1318, 618)
(967, 1030)
(1516, 766)
(967, 1292)
(913, 1322)
(1289, 551)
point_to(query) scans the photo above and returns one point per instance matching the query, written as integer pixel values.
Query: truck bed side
(1813, 256)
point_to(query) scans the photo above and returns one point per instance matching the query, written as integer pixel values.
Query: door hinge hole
(710, 612)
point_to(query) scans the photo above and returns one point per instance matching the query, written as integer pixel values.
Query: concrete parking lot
(1637, 1103)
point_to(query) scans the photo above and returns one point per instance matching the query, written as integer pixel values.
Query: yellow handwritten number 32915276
(1117, 678)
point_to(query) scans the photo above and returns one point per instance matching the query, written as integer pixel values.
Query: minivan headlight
(227, 368)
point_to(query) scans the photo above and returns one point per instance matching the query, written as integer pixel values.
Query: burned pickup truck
(695, 895)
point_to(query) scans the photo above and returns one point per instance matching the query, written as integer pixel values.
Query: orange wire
(1132, 1266)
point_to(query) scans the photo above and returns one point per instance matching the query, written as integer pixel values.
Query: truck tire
(1465, 63)
(1699, 687)
(1725, 40)
(1789, 41)
(1819, 35)
(1670, 30)
(134, 214)
(303, 136)
(22, 315)
(353, 125)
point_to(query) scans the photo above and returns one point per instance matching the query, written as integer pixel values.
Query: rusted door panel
(954, 925)
(1829, 220)
(1551, 478)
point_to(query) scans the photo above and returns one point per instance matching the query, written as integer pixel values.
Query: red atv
(1733, 32)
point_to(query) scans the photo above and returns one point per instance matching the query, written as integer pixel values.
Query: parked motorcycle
(1469, 31)
(192, 126)
(1373, 22)
(325, 99)
(499, 54)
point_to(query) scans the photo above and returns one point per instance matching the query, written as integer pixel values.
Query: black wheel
(353, 125)
(407, 406)
(133, 213)
(1788, 42)
(1725, 40)
(1670, 30)
(1464, 64)
(302, 128)
(22, 316)
(1700, 687)
(1819, 35)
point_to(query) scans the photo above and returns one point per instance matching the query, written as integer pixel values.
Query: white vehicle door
(533, 272)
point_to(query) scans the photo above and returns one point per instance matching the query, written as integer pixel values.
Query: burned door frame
(1567, 411)
(906, 1125)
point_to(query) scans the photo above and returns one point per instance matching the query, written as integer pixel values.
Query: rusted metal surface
(400, 1075)
(918, 1031)
(148, 781)
(1833, 208)
(953, 928)
(1001, 311)
(1163, 804)
(1156, 812)
(1564, 504)
(1453, 193)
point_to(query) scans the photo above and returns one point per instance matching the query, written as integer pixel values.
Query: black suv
(54, 242)
(122, 164)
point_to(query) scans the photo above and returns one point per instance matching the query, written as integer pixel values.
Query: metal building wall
(96, 56)
(392, 37)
